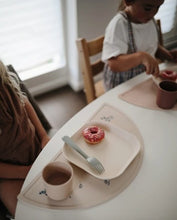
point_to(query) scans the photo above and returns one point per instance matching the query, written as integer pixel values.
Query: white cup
(58, 180)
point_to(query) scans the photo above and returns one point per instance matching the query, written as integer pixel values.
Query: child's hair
(122, 5)
(11, 79)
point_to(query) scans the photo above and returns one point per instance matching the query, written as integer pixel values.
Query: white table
(153, 193)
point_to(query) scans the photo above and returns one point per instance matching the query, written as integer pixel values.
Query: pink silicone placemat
(143, 95)
(86, 185)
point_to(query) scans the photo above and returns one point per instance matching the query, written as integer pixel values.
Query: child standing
(131, 43)
(22, 137)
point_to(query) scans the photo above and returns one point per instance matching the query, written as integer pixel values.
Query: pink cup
(58, 180)
(166, 94)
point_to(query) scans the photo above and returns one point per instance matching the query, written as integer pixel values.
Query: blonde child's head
(141, 11)
(10, 79)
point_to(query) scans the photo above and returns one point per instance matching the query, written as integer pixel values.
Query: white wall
(92, 19)
(94, 15)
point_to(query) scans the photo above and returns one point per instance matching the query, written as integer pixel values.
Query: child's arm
(36, 122)
(164, 54)
(125, 62)
(174, 54)
(11, 171)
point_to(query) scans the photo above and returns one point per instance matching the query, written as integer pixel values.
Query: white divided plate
(116, 151)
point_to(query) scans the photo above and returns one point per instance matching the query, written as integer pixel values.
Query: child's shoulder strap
(124, 14)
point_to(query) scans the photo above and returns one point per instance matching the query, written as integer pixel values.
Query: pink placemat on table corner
(88, 190)
(143, 95)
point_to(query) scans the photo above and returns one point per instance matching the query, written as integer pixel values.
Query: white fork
(93, 162)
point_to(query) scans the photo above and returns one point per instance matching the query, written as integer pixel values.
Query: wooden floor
(61, 104)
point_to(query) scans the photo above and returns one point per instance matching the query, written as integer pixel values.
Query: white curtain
(31, 33)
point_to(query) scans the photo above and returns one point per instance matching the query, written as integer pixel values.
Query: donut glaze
(93, 134)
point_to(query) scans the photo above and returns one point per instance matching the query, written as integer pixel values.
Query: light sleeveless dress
(112, 79)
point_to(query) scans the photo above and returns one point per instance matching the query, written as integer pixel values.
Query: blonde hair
(10, 78)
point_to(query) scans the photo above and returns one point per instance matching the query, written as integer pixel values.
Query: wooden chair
(158, 22)
(160, 36)
(89, 68)
(88, 49)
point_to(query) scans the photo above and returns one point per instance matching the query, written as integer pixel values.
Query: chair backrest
(158, 22)
(86, 50)
(160, 36)
(33, 102)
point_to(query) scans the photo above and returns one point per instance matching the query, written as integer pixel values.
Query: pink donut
(93, 134)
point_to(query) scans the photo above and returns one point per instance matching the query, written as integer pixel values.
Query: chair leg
(4, 214)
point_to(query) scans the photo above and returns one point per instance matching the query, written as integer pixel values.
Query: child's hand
(163, 54)
(174, 55)
(150, 64)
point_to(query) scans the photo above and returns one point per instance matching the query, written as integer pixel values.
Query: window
(31, 34)
(167, 14)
